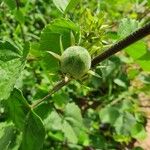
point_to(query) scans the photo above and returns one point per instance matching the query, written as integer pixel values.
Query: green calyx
(75, 61)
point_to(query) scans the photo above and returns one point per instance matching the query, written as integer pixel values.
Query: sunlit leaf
(138, 132)
(11, 64)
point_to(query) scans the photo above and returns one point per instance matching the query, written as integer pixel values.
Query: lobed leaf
(12, 61)
(127, 26)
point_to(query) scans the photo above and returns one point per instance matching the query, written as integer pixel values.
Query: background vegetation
(99, 112)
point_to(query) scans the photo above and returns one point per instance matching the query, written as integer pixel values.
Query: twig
(57, 87)
(132, 38)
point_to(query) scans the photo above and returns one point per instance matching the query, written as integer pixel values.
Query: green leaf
(26, 48)
(109, 115)
(99, 141)
(93, 73)
(73, 115)
(57, 136)
(34, 133)
(71, 5)
(53, 122)
(16, 142)
(120, 83)
(132, 73)
(138, 132)
(34, 49)
(127, 26)
(50, 41)
(145, 78)
(70, 125)
(84, 139)
(18, 13)
(148, 2)
(43, 110)
(123, 126)
(17, 108)
(144, 61)
(59, 28)
(61, 4)
(49, 63)
(69, 132)
(65, 5)
(73, 123)
(11, 4)
(7, 135)
(122, 138)
(11, 64)
(60, 99)
(8, 51)
(54, 55)
(124, 123)
(137, 50)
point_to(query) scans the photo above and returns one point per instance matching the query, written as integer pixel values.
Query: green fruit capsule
(75, 61)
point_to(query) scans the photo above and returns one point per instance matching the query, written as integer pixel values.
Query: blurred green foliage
(97, 112)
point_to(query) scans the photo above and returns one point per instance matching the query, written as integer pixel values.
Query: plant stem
(132, 38)
(56, 88)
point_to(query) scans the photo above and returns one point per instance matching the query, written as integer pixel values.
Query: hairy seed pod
(75, 61)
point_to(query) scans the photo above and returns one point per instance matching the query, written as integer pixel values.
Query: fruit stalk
(56, 88)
